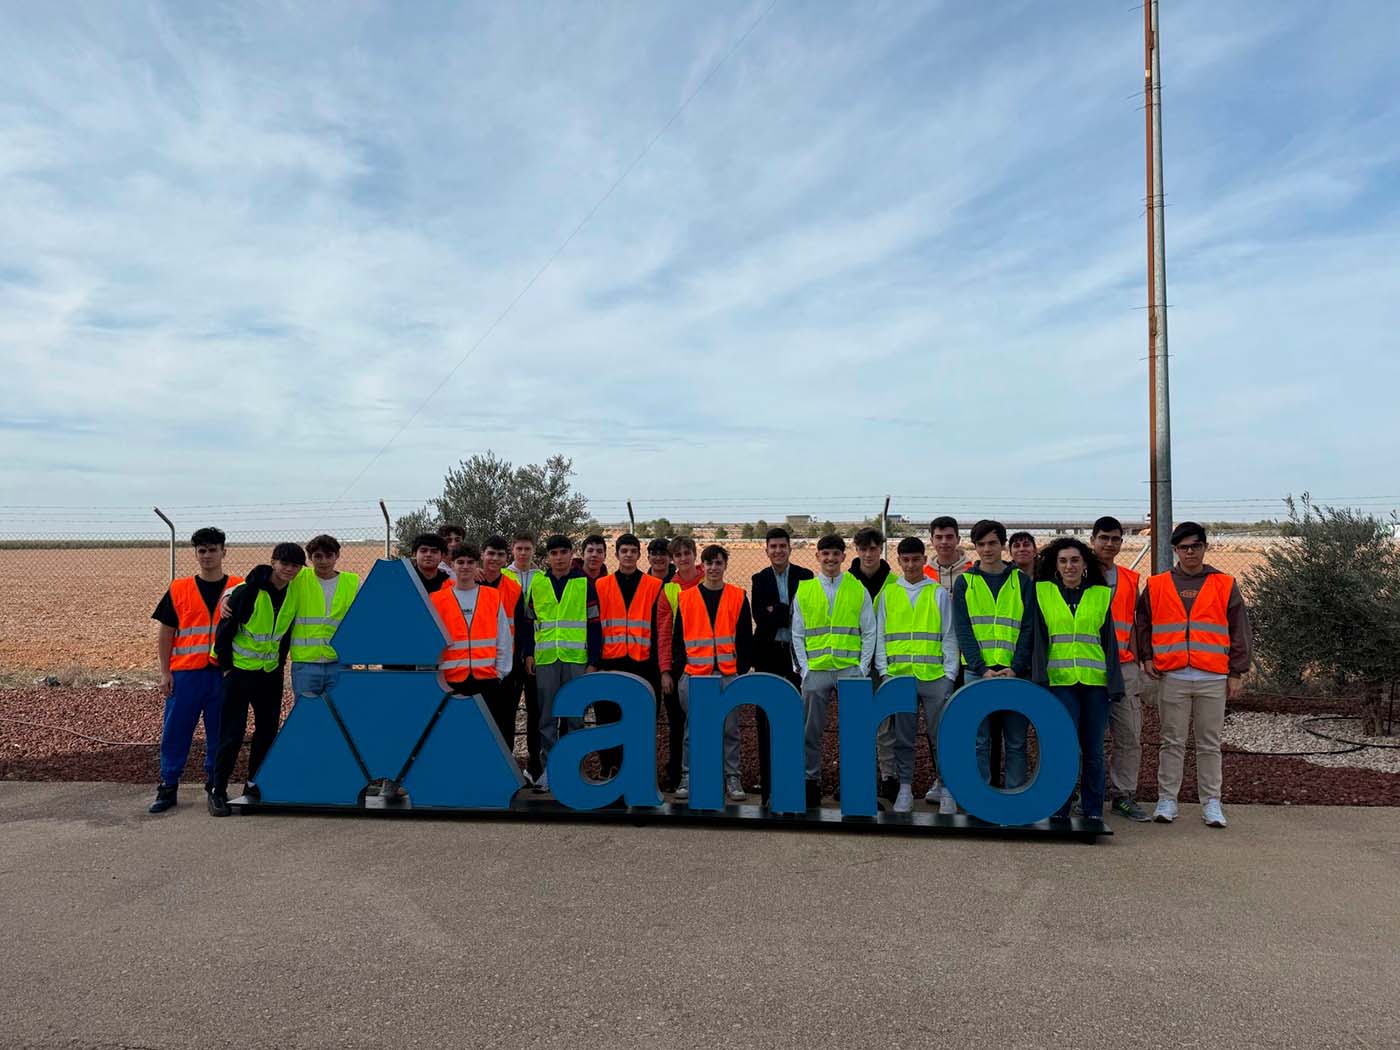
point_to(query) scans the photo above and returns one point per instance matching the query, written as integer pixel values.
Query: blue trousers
(309, 679)
(1014, 727)
(1088, 706)
(196, 693)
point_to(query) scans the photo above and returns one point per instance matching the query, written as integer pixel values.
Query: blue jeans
(310, 679)
(1088, 706)
(1014, 728)
(196, 693)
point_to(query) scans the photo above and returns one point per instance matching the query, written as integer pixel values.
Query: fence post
(631, 517)
(161, 514)
(385, 511)
(885, 529)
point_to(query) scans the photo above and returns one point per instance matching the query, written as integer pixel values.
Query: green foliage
(658, 529)
(486, 494)
(760, 529)
(747, 532)
(1326, 604)
(827, 529)
(721, 533)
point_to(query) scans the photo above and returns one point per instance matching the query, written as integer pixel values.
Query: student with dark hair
(1193, 636)
(659, 559)
(323, 595)
(189, 678)
(993, 604)
(595, 553)
(872, 570)
(948, 561)
(1075, 655)
(523, 570)
(504, 697)
(833, 636)
(1022, 548)
(560, 638)
(627, 610)
(713, 635)
(479, 654)
(428, 551)
(774, 589)
(684, 576)
(251, 645)
(661, 570)
(453, 536)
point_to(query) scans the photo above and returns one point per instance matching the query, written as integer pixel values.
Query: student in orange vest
(1125, 716)
(505, 699)
(189, 677)
(1193, 636)
(713, 635)
(682, 576)
(478, 657)
(628, 600)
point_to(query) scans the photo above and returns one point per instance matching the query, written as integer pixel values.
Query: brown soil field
(84, 615)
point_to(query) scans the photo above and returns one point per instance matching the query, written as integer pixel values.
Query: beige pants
(1177, 702)
(1125, 731)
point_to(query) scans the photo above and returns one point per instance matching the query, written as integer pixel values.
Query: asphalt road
(121, 929)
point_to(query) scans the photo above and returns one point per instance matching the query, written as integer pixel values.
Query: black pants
(605, 711)
(262, 691)
(775, 658)
(502, 700)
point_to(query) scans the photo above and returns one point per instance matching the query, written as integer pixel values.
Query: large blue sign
(392, 716)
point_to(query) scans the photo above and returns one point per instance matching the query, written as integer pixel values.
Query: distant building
(799, 521)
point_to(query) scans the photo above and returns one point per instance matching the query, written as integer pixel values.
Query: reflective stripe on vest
(472, 652)
(913, 633)
(1076, 654)
(1125, 594)
(194, 634)
(996, 622)
(832, 631)
(561, 624)
(1201, 640)
(710, 647)
(311, 634)
(627, 631)
(255, 646)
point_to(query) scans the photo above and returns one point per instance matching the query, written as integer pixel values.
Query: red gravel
(131, 718)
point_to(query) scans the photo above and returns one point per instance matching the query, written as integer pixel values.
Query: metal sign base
(1075, 829)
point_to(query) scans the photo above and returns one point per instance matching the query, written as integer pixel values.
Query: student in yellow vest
(1125, 716)
(251, 645)
(1193, 636)
(189, 679)
(323, 595)
(563, 639)
(833, 636)
(915, 638)
(1075, 655)
(523, 570)
(477, 660)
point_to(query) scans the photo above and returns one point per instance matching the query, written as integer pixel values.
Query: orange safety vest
(1125, 596)
(510, 595)
(468, 655)
(710, 648)
(194, 635)
(626, 632)
(932, 573)
(1201, 640)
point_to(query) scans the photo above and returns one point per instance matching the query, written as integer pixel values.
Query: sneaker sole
(1163, 820)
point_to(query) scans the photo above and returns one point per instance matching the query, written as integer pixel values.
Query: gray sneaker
(735, 789)
(683, 788)
(1124, 806)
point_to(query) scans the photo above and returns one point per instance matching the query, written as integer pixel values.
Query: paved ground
(182, 931)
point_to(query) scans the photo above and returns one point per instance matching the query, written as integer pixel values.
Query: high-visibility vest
(996, 622)
(932, 573)
(509, 588)
(561, 624)
(472, 651)
(1201, 640)
(832, 634)
(314, 625)
(913, 633)
(710, 647)
(194, 632)
(626, 631)
(673, 595)
(1125, 595)
(256, 645)
(1076, 653)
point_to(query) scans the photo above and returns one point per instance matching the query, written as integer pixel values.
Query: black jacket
(769, 614)
(240, 609)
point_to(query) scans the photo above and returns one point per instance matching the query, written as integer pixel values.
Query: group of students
(1066, 617)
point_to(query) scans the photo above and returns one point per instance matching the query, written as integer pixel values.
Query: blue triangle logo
(391, 621)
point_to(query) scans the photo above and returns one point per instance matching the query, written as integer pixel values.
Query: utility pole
(1159, 409)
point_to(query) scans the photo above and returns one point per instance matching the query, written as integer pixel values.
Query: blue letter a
(635, 782)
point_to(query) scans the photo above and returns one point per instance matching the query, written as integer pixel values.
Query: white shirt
(944, 600)
(867, 626)
(328, 588)
(504, 639)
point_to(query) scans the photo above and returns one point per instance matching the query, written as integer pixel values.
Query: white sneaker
(1212, 814)
(1166, 811)
(734, 788)
(683, 788)
(934, 793)
(904, 801)
(947, 805)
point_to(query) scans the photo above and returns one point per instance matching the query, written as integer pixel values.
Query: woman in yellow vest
(1075, 655)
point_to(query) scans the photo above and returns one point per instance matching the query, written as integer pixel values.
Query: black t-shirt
(435, 582)
(211, 592)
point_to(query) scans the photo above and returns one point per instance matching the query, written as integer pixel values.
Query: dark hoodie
(1187, 587)
(240, 608)
(875, 581)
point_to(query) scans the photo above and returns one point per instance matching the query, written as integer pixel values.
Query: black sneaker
(889, 789)
(1124, 806)
(218, 803)
(814, 794)
(165, 798)
(252, 792)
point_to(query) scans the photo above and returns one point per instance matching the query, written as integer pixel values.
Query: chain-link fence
(77, 588)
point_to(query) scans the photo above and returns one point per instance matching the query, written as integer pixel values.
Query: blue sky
(886, 249)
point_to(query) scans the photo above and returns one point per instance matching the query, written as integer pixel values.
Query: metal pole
(385, 511)
(631, 517)
(161, 514)
(885, 528)
(1159, 412)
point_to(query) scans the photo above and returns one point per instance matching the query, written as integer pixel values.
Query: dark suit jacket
(768, 613)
